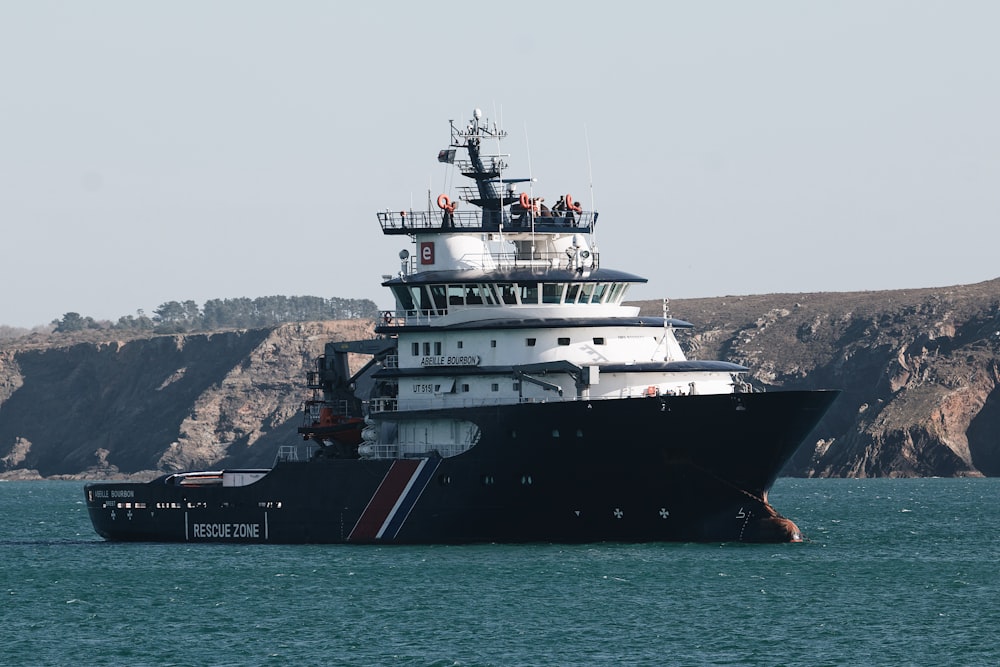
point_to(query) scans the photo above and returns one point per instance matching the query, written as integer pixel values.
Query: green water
(895, 572)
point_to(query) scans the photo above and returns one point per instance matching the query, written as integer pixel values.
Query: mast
(488, 193)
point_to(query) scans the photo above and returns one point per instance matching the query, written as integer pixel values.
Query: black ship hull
(666, 468)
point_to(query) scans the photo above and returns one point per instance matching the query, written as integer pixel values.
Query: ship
(512, 395)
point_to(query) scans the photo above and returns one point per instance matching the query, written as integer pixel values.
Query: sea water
(894, 572)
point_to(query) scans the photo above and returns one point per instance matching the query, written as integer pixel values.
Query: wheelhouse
(437, 298)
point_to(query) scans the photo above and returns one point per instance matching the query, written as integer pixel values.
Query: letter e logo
(427, 252)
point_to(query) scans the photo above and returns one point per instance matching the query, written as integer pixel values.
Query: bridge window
(424, 296)
(572, 293)
(529, 293)
(476, 295)
(403, 297)
(440, 296)
(552, 292)
(489, 297)
(507, 292)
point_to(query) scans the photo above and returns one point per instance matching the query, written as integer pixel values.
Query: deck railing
(408, 222)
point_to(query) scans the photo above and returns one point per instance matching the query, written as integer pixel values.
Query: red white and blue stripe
(395, 496)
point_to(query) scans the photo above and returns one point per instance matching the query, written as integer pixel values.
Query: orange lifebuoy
(652, 391)
(573, 206)
(529, 204)
(444, 203)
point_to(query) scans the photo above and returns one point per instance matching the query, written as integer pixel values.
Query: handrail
(408, 222)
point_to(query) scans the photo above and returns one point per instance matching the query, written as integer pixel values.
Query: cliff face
(918, 370)
(164, 403)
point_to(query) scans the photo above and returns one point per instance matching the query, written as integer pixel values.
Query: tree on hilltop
(238, 313)
(137, 323)
(174, 317)
(74, 322)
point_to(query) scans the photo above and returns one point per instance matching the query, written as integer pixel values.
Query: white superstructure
(501, 300)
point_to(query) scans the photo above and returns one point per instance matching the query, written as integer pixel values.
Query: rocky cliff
(918, 370)
(157, 404)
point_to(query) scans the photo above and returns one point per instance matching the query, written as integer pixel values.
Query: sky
(167, 151)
